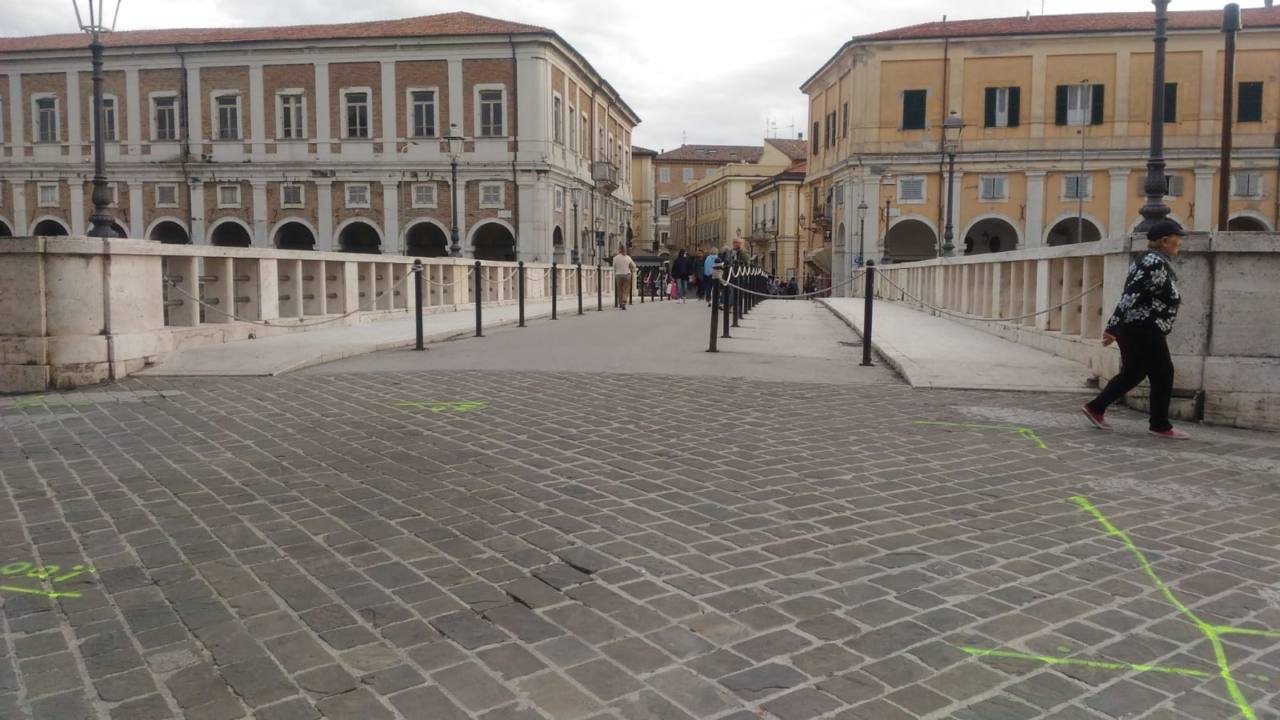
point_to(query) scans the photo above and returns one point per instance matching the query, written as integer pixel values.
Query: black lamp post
(101, 218)
(1231, 25)
(576, 238)
(952, 127)
(1156, 186)
(456, 146)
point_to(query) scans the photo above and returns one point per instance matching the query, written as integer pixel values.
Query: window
(845, 129)
(687, 174)
(838, 192)
(491, 195)
(491, 124)
(664, 207)
(559, 199)
(46, 123)
(711, 172)
(108, 118)
(664, 175)
(1076, 187)
(291, 196)
(228, 196)
(356, 114)
(1175, 184)
(48, 194)
(291, 116)
(911, 190)
(994, 187)
(357, 195)
(1002, 107)
(1246, 185)
(913, 107)
(1249, 103)
(227, 118)
(557, 127)
(166, 195)
(114, 188)
(1079, 105)
(1171, 102)
(666, 237)
(164, 108)
(424, 195)
(422, 113)
(814, 138)
(2, 140)
(573, 128)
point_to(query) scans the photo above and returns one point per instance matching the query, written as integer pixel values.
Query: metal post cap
(1231, 21)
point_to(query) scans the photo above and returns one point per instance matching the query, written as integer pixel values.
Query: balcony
(605, 176)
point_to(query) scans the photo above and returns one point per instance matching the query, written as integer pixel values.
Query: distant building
(1057, 114)
(675, 170)
(644, 211)
(776, 205)
(323, 137)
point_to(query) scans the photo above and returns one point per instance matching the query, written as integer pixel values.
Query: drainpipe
(515, 136)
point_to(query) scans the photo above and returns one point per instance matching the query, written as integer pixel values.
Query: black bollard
(520, 271)
(724, 298)
(599, 288)
(715, 316)
(417, 302)
(579, 288)
(644, 285)
(631, 289)
(479, 295)
(735, 298)
(555, 290)
(866, 314)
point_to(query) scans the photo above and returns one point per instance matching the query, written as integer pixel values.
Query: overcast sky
(711, 71)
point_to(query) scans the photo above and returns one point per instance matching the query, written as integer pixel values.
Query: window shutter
(989, 116)
(1015, 105)
(1171, 102)
(1095, 113)
(913, 109)
(1249, 107)
(1060, 107)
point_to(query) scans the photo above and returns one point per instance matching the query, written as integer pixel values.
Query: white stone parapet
(1225, 343)
(77, 310)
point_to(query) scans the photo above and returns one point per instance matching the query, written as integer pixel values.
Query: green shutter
(989, 114)
(1015, 105)
(1060, 107)
(1095, 112)
(913, 109)
(1171, 102)
(1249, 106)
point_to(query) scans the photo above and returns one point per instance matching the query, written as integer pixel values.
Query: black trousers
(1144, 353)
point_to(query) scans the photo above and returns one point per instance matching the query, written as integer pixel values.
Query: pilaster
(260, 228)
(456, 100)
(389, 111)
(1039, 68)
(197, 213)
(195, 126)
(257, 113)
(1122, 94)
(73, 111)
(134, 110)
(391, 218)
(322, 132)
(1034, 233)
(17, 133)
(1118, 219)
(77, 206)
(1203, 219)
(324, 213)
(137, 211)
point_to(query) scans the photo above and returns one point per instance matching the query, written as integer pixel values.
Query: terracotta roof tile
(793, 149)
(722, 154)
(1069, 24)
(637, 150)
(458, 23)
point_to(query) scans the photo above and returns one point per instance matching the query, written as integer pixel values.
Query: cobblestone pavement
(515, 546)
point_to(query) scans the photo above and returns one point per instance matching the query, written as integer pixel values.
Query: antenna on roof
(684, 137)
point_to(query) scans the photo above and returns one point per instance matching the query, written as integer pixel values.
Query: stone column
(260, 228)
(134, 111)
(1203, 220)
(1118, 218)
(324, 214)
(1034, 233)
(391, 243)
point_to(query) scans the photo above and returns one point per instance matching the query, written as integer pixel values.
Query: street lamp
(952, 128)
(457, 144)
(1155, 185)
(862, 240)
(1231, 25)
(101, 218)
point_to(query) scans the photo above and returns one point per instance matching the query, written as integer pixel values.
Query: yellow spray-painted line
(1213, 633)
(1024, 432)
(54, 594)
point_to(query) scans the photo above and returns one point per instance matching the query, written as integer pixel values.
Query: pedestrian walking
(1141, 321)
(681, 270)
(623, 269)
(707, 266)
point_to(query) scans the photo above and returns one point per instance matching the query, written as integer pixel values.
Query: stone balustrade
(1225, 345)
(78, 310)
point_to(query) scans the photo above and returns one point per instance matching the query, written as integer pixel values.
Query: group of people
(693, 274)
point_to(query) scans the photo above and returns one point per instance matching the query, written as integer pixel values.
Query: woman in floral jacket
(1143, 317)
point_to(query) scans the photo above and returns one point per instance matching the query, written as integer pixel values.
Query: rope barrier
(815, 293)
(966, 316)
(264, 323)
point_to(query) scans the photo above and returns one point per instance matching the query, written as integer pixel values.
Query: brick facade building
(328, 137)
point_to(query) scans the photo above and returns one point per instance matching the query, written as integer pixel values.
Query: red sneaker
(1097, 419)
(1171, 434)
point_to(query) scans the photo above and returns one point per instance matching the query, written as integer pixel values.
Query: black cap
(1163, 229)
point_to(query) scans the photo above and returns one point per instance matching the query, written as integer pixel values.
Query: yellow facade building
(644, 210)
(1057, 114)
(718, 206)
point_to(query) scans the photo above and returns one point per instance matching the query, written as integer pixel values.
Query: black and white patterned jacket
(1150, 298)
